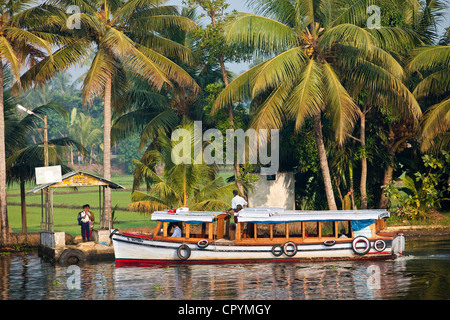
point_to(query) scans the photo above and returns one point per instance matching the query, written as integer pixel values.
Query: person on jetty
(87, 221)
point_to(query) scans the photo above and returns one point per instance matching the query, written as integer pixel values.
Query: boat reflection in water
(27, 277)
(266, 281)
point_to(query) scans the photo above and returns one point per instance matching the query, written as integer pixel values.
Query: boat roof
(272, 215)
(186, 216)
(280, 215)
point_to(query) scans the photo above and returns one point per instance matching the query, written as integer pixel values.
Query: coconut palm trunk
(324, 162)
(3, 212)
(237, 173)
(388, 174)
(106, 221)
(362, 138)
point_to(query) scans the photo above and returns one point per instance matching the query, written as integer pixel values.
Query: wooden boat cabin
(271, 225)
(260, 234)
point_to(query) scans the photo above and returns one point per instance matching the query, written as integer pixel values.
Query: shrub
(415, 197)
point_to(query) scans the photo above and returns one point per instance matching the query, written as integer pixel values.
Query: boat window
(279, 230)
(263, 230)
(311, 229)
(327, 229)
(344, 229)
(198, 230)
(295, 229)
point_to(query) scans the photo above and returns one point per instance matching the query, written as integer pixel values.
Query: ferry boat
(261, 234)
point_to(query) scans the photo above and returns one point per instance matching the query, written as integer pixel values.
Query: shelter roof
(78, 179)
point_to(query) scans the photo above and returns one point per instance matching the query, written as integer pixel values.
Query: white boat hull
(134, 249)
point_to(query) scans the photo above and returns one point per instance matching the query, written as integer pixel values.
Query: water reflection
(423, 275)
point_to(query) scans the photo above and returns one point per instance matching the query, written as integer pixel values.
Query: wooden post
(319, 231)
(238, 231)
(271, 232)
(157, 228)
(303, 230)
(336, 231)
(227, 227)
(287, 230)
(210, 230)
(187, 230)
(220, 225)
(165, 229)
(255, 231)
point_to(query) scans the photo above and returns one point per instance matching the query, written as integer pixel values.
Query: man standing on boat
(237, 199)
(235, 202)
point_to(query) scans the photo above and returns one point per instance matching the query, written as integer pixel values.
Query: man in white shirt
(235, 202)
(177, 231)
(237, 199)
(86, 217)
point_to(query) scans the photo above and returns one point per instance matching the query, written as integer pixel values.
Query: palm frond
(429, 57)
(278, 69)
(347, 34)
(437, 83)
(72, 53)
(341, 105)
(307, 97)
(260, 32)
(24, 36)
(436, 120)
(238, 90)
(280, 10)
(101, 70)
(271, 113)
(7, 52)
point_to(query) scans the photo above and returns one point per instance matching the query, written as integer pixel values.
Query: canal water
(422, 274)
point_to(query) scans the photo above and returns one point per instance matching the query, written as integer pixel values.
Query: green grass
(65, 219)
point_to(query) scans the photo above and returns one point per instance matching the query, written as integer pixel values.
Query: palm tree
(120, 36)
(179, 184)
(19, 46)
(212, 39)
(83, 130)
(312, 47)
(433, 63)
(423, 17)
(23, 156)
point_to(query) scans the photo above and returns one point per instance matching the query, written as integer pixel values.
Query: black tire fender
(287, 252)
(276, 252)
(329, 243)
(379, 245)
(180, 250)
(202, 243)
(71, 256)
(359, 251)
